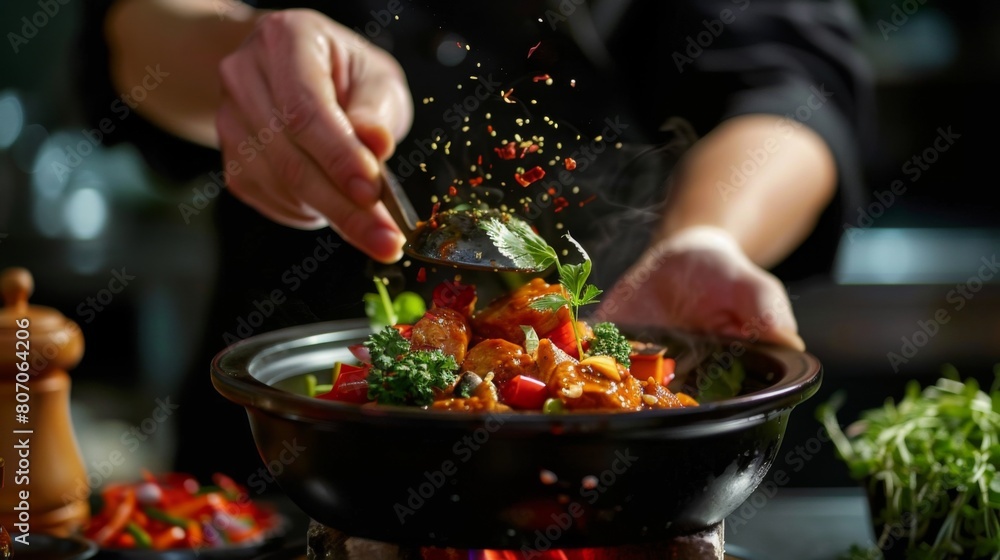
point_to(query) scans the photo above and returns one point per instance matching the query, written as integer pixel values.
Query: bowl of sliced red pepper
(172, 516)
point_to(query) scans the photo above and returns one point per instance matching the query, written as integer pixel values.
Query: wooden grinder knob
(17, 285)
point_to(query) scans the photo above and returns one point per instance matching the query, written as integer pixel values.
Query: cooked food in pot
(507, 355)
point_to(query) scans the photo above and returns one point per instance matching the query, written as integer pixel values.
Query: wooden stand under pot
(42, 463)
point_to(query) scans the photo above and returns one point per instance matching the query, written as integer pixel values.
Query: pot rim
(233, 374)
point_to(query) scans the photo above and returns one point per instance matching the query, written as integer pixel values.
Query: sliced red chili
(570, 163)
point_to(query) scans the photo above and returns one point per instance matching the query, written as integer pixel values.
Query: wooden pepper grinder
(43, 467)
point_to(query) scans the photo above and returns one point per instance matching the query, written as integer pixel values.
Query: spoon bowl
(454, 238)
(449, 238)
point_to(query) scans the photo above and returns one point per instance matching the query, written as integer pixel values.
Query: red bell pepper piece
(564, 338)
(455, 295)
(526, 393)
(351, 385)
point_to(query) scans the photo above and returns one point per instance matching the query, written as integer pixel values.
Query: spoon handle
(398, 204)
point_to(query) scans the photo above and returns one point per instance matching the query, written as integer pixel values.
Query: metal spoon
(452, 238)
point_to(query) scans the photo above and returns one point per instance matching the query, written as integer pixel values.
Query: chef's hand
(308, 111)
(700, 280)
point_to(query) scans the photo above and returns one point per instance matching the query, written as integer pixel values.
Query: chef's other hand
(309, 109)
(699, 280)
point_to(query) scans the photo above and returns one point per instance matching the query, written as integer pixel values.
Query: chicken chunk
(503, 317)
(505, 359)
(442, 329)
(581, 387)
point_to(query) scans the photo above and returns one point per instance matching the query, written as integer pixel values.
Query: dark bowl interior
(511, 480)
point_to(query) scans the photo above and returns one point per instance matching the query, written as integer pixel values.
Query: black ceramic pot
(512, 480)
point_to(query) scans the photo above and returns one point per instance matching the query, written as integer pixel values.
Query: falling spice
(532, 50)
(588, 200)
(559, 202)
(506, 96)
(529, 149)
(422, 275)
(570, 164)
(529, 176)
(476, 181)
(541, 78)
(508, 151)
(452, 191)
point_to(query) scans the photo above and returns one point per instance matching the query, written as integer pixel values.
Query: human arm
(751, 190)
(300, 107)
(705, 269)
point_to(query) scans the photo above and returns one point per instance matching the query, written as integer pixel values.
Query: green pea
(553, 406)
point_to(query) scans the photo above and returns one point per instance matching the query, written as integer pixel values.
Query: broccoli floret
(608, 341)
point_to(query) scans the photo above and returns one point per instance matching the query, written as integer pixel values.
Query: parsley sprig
(404, 377)
(518, 242)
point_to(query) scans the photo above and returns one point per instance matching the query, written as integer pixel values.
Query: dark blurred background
(79, 223)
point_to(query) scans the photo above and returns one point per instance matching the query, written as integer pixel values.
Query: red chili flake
(541, 78)
(455, 295)
(552, 191)
(422, 275)
(531, 51)
(476, 181)
(530, 149)
(509, 151)
(529, 176)
(479, 159)
(588, 200)
(570, 164)
(489, 128)
(559, 203)
(452, 191)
